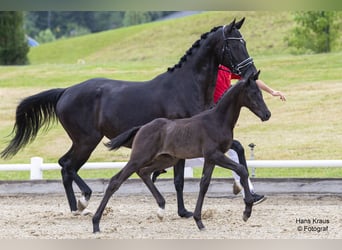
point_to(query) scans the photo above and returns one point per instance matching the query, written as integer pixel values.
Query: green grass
(307, 126)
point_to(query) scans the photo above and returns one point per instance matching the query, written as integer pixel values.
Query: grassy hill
(307, 126)
(166, 41)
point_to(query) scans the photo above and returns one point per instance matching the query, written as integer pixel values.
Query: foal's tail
(122, 139)
(32, 113)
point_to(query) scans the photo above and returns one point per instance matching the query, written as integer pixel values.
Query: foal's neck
(228, 108)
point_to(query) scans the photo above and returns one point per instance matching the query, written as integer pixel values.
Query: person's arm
(263, 86)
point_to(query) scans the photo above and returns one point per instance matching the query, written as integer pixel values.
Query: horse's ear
(233, 22)
(239, 23)
(256, 75)
(230, 26)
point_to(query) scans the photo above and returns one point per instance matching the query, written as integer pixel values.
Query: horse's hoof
(75, 213)
(161, 213)
(186, 214)
(82, 203)
(86, 212)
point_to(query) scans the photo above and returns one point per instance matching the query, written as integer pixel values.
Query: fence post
(188, 172)
(36, 172)
(251, 146)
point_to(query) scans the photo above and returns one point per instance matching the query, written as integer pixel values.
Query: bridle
(226, 50)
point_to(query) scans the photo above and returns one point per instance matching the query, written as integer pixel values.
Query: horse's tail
(122, 139)
(32, 113)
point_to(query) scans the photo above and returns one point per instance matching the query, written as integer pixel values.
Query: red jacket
(223, 82)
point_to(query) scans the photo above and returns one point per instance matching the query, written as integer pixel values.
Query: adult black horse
(90, 110)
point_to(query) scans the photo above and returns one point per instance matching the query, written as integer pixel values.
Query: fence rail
(37, 166)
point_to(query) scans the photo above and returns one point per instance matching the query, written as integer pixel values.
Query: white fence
(37, 166)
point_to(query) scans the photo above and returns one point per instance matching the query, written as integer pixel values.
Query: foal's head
(252, 97)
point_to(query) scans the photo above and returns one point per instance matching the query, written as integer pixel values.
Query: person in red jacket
(236, 152)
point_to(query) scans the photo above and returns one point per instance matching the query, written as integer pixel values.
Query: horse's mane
(189, 51)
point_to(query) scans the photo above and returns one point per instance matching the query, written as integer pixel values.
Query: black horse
(160, 144)
(90, 110)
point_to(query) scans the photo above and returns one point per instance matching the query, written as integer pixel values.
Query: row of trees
(316, 31)
(46, 26)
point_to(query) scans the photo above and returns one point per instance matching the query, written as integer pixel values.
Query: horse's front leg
(223, 161)
(178, 171)
(204, 184)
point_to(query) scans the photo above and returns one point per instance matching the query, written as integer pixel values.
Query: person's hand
(278, 93)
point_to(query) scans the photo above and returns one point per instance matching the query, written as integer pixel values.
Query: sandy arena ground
(134, 216)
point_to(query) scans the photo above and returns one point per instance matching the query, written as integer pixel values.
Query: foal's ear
(239, 23)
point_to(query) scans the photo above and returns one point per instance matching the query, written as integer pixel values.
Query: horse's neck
(201, 70)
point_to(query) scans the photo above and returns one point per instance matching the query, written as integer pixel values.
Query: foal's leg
(204, 184)
(178, 174)
(157, 166)
(220, 159)
(155, 192)
(114, 184)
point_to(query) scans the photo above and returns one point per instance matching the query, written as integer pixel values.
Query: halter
(235, 68)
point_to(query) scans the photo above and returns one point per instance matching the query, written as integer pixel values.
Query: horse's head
(252, 97)
(234, 51)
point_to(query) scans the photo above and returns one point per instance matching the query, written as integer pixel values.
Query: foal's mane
(189, 51)
(234, 86)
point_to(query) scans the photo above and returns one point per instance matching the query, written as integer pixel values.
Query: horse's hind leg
(71, 162)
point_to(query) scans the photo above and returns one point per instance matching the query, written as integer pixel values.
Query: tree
(45, 36)
(13, 43)
(317, 31)
(136, 17)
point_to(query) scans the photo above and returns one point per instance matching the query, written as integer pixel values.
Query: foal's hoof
(96, 224)
(96, 229)
(200, 225)
(245, 217)
(160, 213)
